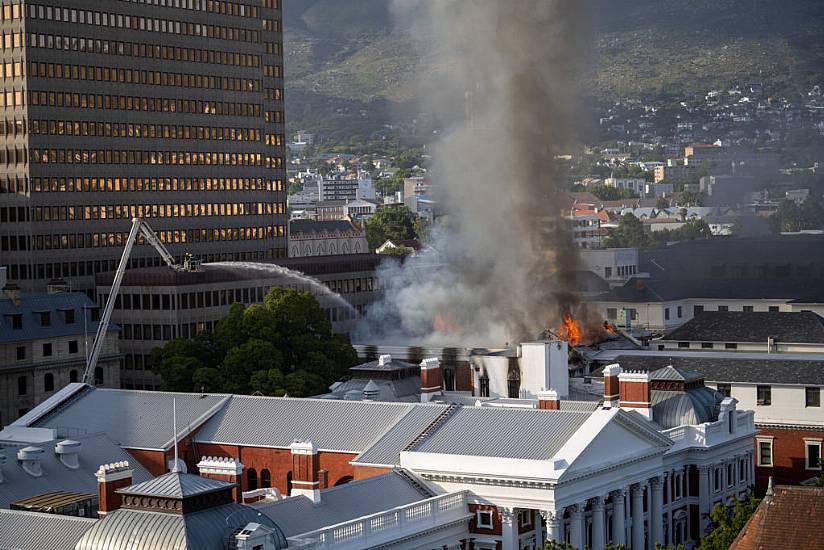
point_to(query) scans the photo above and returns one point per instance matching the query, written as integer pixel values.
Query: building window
(730, 345)
(484, 389)
(98, 375)
(21, 353)
(683, 344)
(742, 470)
(47, 350)
(22, 385)
(666, 314)
(696, 310)
(73, 376)
(724, 389)
(251, 479)
(723, 308)
(716, 480)
(813, 454)
(449, 379)
(16, 321)
(765, 453)
(73, 346)
(265, 478)
(68, 316)
(731, 474)
(526, 518)
(764, 395)
(748, 308)
(483, 519)
(773, 309)
(45, 318)
(678, 486)
(812, 397)
(706, 345)
(680, 312)
(48, 382)
(612, 313)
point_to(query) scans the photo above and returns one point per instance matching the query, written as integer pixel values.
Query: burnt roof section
(312, 265)
(779, 267)
(751, 326)
(750, 371)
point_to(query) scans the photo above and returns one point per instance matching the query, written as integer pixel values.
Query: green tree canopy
(613, 193)
(792, 217)
(727, 522)
(390, 223)
(284, 346)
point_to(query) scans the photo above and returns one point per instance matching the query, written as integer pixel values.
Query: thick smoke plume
(505, 261)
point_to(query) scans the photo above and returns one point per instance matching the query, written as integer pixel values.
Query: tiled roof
(95, 450)
(752, 371)
(133, 419)
(751, 326)
(35, 531)
(387, 449)
(298, 515)
(792, 518)
(519, 433)
(176, 485)
(30, 307)
(278, 421)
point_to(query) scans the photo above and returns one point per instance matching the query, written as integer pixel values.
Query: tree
(691, 198)
(727, 522)
(284, 346)
(390, 223)
(662, 203)
(613, 193)
(792, 217)
(629, 233)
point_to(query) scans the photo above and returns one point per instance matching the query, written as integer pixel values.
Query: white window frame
(482, 524)
(717, 479)
(678, 490)
(759, 441)
(526, 518)
(731, 479)
(811, 442)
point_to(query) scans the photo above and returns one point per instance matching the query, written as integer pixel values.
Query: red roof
(791, 518)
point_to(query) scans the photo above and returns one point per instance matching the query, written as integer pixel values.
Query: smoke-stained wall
(505, 261)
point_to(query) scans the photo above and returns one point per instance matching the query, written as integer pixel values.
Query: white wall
(788, 404)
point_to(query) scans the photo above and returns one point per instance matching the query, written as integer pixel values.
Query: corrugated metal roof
(502, 432)
(278, 421)
(298, 515)
(694, 406)
(580, 406)
(387, 449)
(21, 530)
(32, 304)
(673, 373)
(208, 529)
(134, 419)
(176, 485)
(96, 450)
(54, 499)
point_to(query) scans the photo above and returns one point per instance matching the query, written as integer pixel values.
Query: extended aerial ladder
(139, 227)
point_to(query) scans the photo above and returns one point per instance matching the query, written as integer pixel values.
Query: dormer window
(68, 316)
(15, 320)
(45, 318)
(483, 519)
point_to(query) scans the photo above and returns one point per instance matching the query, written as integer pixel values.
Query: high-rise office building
(168, 110)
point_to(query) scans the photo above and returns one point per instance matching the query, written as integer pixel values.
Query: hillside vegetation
(352, 67)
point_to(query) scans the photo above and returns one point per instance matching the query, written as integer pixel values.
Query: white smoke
(506, 72)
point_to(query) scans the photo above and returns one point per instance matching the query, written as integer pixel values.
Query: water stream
(318, 288)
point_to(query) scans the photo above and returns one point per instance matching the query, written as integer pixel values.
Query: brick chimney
(611, 385)
(431, 379)
(633, 389)
(111, 477)
(548, 400)
(223, 468)
(305, 470)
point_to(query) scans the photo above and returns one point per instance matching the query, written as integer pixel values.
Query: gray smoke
(505, 262)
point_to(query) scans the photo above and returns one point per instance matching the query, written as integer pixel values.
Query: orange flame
(447, 322)
(570, 330)
(609, 327)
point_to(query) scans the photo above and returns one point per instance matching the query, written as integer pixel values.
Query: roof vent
(29, 459)
(371, 391)
(69, 453)
(384, 360)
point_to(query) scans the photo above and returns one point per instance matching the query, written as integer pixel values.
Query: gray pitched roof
(744, 370)
(278, 421)
(30, 307)
(298, 515)
(176, 485)
(404, 389)
(96, 450)
(21, 530)
(133, 419)
(387, 449)
(751, 326)
(126, 529)
(312, 226)
(518, 433)
(672, 373)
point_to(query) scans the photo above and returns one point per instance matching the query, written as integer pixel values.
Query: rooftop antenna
(174, 427)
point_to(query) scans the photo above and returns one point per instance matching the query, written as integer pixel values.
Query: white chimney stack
(384, 360)
(29, 459)
(69, 453)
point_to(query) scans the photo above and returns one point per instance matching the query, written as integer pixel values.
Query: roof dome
(679, 397)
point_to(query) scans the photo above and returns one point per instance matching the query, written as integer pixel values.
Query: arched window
(344, 249)
(344, 480)
(98, 375)
(48, 382)
(265, 478)
(73, 375)
(251, 479)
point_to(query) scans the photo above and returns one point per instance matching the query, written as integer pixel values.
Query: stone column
(554, 525)
(619, 517)
(598, 524)
(656, 511)
(671, 487)
(576, 520)
(539, 528)
(703, 498)
(509, 528)
(638, 517)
